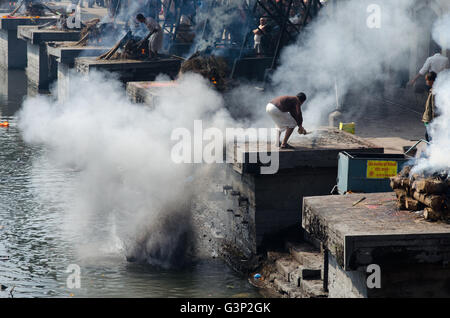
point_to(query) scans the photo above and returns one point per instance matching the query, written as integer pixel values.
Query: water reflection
(35, 248)
(13, 87)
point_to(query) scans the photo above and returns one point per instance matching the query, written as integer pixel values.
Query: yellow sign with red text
(377, 169)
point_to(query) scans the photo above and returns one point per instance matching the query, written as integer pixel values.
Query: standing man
(436, 63)
(430, 106)
(259, 33)
(286, 112)
(156, 39)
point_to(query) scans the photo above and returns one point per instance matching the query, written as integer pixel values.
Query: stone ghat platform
(41, 70)
(66, 52)
(319, 149)
(38, 36)
(132, 70)
(13, 51)
(412, 254)
(147, 92)
(63, 55)
(254, 211)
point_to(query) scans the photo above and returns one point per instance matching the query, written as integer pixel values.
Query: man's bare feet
(286, 146)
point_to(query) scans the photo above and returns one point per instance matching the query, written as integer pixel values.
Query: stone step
(306, 255)
(284, 288)
(272, 256)
(285, 266)
(312, 289)
(302, 273)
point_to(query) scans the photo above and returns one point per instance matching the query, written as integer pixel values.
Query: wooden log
(436, 202)
(429, 186)
(431, 215)
(413, 205)
(17, 9)
(405, 172)
(400, 193)
(400, 183)
(119, 44)
(401, 204)
(396, 182)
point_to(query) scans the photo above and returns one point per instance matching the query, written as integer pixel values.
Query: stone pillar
(13, 51)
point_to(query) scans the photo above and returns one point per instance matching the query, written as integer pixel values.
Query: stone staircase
(296, 273)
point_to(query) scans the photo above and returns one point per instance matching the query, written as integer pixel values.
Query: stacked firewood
(417, 192)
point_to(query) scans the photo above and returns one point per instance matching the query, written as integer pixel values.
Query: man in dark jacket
(430, 106)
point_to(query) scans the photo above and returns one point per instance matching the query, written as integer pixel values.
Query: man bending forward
(286, 112)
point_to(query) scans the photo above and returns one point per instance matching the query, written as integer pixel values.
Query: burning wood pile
(129, 48)
(33, 9)
(95, 33)
(417, 192)
(209, 66)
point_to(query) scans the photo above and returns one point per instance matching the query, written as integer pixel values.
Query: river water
(35, 250)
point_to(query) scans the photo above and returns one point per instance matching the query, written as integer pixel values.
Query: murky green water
(35, 249)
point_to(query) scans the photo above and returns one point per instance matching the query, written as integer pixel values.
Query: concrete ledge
(131, 70)
(317, 150)
(13, 23)
(374, 231)
(37, 36)
(147, 92)
(67, 54)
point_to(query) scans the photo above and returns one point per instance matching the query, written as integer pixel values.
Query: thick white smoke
(441, 31)
(217, 15)
(437, 157)
(126, 180)
(438, 152)
(344, 44)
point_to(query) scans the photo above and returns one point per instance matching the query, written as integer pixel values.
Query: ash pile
(422, 192)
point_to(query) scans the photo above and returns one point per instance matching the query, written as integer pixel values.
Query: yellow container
(349, 127)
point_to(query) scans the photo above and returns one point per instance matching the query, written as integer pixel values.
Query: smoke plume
(126, 186)
(441, 34)
(437, 157)
(344, 45)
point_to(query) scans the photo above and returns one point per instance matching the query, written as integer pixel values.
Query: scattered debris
(359, 201)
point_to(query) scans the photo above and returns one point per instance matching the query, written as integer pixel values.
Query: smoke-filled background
(341, 53)
(340, 48)
(121, 151)
(437, 157)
